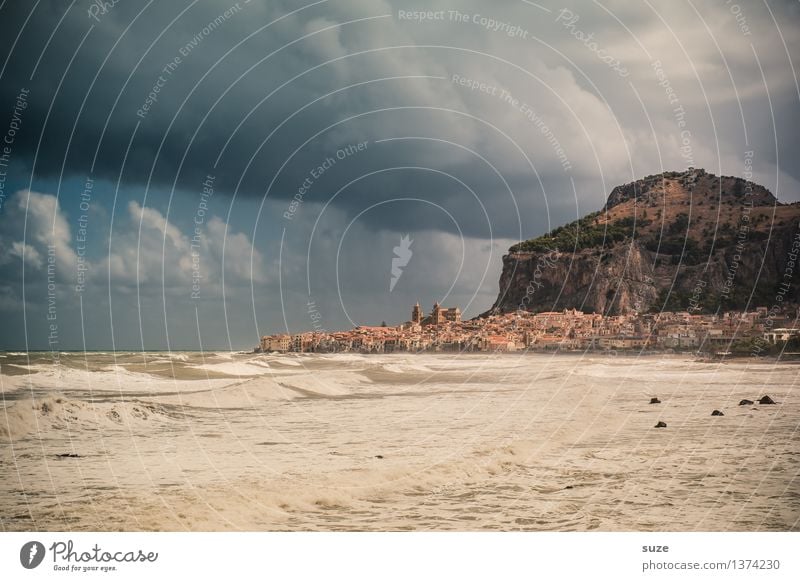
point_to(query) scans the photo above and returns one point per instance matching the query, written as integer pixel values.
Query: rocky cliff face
(676, 241)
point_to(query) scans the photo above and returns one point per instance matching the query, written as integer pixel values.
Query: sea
(132, 441)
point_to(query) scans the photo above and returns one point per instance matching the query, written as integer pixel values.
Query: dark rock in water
(717, 413)
(766, 400)
(67, 455)
(661, 425)
(379, 457)
(655, 400)
(746, 402)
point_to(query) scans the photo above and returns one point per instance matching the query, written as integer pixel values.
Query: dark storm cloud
(249, 86)
(225, 84)
(162, 80)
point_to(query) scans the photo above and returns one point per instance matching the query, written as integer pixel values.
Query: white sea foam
(46, 415)
(283, 360)
(234, 368)
(531, 442)
(331, 383)
(405, 368)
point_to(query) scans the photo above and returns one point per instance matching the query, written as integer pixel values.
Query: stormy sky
(193, 174)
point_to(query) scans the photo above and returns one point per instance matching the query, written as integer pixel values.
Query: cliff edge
(673, 241)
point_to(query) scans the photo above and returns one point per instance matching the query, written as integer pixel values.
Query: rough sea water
(191, 441)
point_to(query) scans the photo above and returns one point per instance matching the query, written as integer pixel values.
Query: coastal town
(761, 331)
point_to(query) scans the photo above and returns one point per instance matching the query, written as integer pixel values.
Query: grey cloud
(150, 264)
(593, 113)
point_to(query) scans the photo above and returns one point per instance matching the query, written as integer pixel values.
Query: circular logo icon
(31, 554)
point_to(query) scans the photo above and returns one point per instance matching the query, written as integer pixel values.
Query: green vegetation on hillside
(682, 250)
(674, 244)
(580, 234)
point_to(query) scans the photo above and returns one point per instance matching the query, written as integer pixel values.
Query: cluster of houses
(443, 330)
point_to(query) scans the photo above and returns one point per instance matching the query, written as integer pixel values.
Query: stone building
(440, 315)
(416, 314)
(276, 343)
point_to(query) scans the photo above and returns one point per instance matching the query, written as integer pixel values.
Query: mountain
(673, 241)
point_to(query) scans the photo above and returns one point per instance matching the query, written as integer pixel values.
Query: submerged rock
(717, 413)
(766, 400)
(661, 425)
(746, 402)
(655, 400)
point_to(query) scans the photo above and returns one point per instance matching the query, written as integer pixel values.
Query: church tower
(436, 314)
(416, 314)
